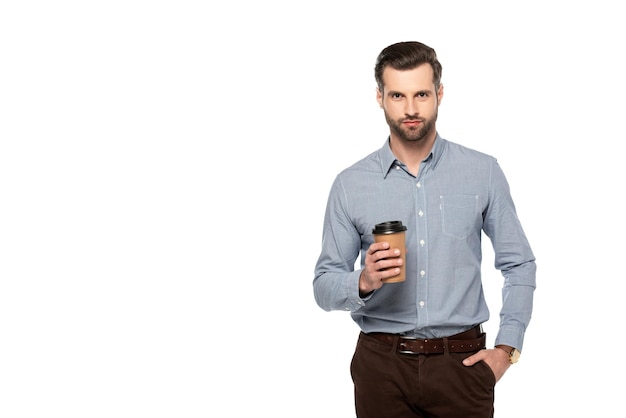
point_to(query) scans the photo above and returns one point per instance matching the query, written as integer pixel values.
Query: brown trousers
(388, 384)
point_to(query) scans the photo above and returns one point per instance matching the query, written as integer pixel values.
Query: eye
(396, 96)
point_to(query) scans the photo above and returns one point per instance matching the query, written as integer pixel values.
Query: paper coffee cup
(394, 233)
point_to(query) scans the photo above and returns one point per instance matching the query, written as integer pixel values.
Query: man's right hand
(381, 263)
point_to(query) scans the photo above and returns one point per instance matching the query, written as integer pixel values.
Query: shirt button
(419, 184)
(422, 273)
(422, 242)
(420, 213)
(422, 303)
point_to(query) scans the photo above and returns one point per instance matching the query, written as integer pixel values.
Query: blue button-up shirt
(458, 193)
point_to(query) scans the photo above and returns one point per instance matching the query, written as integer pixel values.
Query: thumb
(473, 359)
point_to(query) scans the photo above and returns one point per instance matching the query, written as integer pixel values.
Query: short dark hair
(407, 56)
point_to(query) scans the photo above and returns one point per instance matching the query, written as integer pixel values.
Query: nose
(410, 109)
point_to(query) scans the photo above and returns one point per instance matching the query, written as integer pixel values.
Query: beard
(411, 134)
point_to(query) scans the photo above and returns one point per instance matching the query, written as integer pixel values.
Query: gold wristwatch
(514, 353)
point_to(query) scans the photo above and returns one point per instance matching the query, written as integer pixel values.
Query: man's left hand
(496, 359)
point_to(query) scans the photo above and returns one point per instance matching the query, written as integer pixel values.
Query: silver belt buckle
(408, 351)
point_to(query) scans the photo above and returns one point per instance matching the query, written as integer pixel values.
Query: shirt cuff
(511, 335)
(355, 302)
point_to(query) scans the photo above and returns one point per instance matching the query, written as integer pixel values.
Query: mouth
(412, 122)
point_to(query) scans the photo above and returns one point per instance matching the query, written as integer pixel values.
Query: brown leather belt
(465, 342)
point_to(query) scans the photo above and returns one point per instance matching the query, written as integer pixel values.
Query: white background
(164, 168)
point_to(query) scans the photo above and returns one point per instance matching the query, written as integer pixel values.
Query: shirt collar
(388, 160)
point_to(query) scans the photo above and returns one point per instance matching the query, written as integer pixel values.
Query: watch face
(515, 354)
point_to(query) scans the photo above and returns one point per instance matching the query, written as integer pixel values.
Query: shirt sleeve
(336, 283)
(513, 257)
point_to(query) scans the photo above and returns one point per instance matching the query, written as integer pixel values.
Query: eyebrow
(392, 92)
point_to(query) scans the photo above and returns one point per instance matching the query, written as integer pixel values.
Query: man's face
(410, 102)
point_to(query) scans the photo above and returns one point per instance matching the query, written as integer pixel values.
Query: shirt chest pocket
(458, 214)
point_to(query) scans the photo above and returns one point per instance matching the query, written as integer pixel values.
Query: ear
(440, 94)
(379, 97)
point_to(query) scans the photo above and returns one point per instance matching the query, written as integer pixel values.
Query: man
(421, 351)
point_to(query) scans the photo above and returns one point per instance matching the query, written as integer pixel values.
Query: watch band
(510, 353)
(514, 354)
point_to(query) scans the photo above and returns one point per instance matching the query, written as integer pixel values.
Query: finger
(377, 246)
(392, 263)
(385, 253)
(473, 359)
